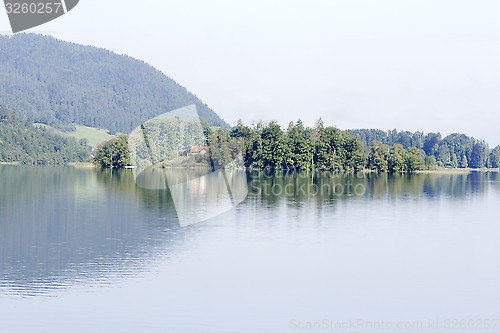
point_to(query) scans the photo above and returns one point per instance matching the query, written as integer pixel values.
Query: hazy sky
(413, 65)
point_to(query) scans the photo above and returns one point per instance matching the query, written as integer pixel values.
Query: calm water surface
(85, 250)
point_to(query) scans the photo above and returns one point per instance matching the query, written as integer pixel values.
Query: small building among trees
(201, 150)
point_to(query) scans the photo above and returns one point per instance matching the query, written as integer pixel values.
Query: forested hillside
(22, 142)
(454, 151)
(60, 83)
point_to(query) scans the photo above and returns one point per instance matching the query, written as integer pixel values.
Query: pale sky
(412, 65)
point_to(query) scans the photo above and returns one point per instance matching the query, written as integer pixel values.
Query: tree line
(453, 151)
(268, 146)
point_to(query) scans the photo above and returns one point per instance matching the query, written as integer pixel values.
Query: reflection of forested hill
(60, 83)
(61, 226)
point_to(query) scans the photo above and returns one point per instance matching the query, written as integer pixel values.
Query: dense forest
(328, 148)
(61, 84)
(21, 141)
(453, 151)
(268, 146)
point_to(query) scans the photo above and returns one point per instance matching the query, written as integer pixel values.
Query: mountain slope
(20, 141)
(60, 83)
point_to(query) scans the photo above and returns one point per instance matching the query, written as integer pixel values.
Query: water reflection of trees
(19, 183)
(326, 187)
(64, 226)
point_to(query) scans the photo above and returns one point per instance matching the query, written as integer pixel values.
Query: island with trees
(301, 148)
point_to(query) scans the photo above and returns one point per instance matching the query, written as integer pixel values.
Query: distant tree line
(21, 141)
(267, 145)
(453, 151)
(299, 148)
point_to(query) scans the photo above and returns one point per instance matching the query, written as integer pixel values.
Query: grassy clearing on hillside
(94, 136)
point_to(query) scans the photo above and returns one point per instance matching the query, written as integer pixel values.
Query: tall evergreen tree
(301, 145)
(479, 154)
(495, 157)
(273, 153)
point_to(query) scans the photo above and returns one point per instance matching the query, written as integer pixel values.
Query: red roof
(197, 149)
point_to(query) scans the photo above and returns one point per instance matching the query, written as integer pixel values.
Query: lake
(87, 250)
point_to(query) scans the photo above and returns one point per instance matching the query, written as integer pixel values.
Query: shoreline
(365, 171)
(82, 165)
(458, 170)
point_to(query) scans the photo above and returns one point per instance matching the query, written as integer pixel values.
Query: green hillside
(93, 136)
(61, 84)
(22, 142)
